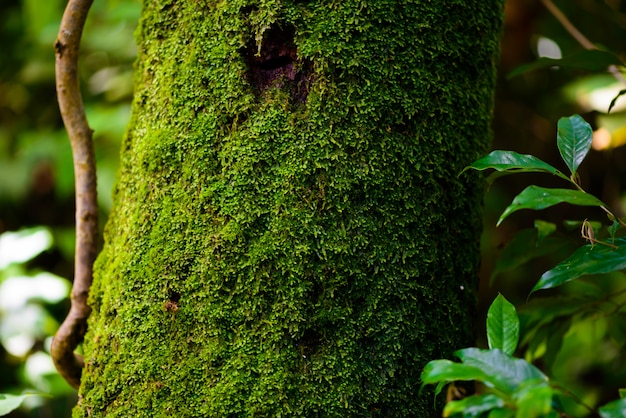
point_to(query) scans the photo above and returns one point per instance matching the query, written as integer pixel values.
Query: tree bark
(290, 236)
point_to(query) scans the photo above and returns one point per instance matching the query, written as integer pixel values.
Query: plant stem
(574, 397)
(580, 38)
(72, 330)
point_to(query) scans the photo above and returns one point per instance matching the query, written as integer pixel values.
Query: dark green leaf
(501, 370)
(574, 140)
(585, 260)
(613, 229)
(473, 406)
(511, 162)
(537, 198)
(590, 59)
(615, 409)
(502, 325)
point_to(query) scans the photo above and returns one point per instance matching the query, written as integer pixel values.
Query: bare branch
(576, 34)
(72, 331)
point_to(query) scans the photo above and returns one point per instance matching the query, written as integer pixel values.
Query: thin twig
(576, 398)
(580, 38)
(72, 330)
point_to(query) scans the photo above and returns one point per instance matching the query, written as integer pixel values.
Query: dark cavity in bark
(276, 63)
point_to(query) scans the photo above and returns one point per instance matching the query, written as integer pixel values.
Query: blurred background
(36, 179)
(578, 341)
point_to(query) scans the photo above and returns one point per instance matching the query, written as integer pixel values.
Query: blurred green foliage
(36, 179)
(36, 176)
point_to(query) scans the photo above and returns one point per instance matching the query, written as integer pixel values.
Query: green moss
(278, 256)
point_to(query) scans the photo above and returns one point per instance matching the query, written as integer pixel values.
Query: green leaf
(590, 59)
(501, 413)
(574, 140)
(510, 162)
(615, 409)
(544, 229)
(622, 393)
(537, 198)
(502, 325)
(533, 399)
(598, 259)
(473, 406)
(10, 403)
(613, 229)
(449, 371)
(502, 372)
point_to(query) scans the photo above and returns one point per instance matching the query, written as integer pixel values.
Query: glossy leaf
(615, 409)
(512, 162)
(502, 372)
(473, 406)
(10, 403)
(585, 260)
(590, 59)
(574, 137)
(502, 325)
(446, 370)
(537, 198)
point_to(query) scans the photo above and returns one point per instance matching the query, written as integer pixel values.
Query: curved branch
(72, 331)
(576, 34)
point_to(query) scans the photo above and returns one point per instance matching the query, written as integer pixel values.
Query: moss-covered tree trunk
(290, 235)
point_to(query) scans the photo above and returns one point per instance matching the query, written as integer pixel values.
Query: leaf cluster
(513, 386)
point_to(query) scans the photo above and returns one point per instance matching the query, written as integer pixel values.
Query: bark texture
(290, 236)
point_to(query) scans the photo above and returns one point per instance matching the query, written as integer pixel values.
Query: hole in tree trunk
(276, 63)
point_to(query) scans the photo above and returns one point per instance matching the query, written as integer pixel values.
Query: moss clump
(294, 243)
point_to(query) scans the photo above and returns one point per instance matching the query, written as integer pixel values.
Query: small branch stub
(72, 330)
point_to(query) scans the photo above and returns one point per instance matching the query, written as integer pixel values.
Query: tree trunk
(290, 236)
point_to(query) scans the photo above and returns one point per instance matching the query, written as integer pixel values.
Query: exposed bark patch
(276, 63)
(174, 296)
(171, 304)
